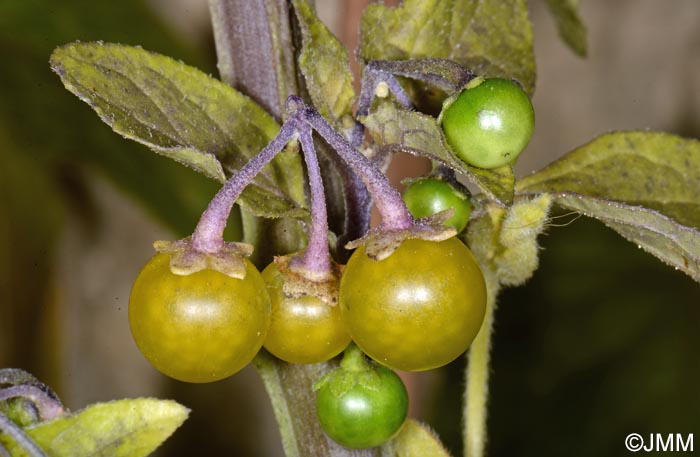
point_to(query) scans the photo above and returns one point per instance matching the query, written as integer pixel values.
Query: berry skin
(303, 329)
(417, 309)
(362, 409)
(489, 123)
(428, 196)
(200, 327)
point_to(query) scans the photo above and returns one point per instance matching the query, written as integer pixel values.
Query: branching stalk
(371, 79)
(392, 209)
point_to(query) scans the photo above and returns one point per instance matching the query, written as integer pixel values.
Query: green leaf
(645, 185)
(179, 112)
(490, 37)
(658, 171)
(71, 142)
(661, 236)
(569, 23)
(324, 63)
(128, 428)
(409, 131)
(417, 440)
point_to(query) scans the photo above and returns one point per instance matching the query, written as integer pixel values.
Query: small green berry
(428, 196)
(489, 123)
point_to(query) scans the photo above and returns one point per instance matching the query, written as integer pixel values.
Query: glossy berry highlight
(200, 327)
(361, 404)
(303, 329)
(417, 309)
(489, 123)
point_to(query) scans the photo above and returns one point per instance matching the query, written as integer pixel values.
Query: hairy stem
(293, 400)
(371, 79)
(358, 203)
(477, 376)
(253, 48)
(208, 236)
(22, 439)
(47, 406)
(393, 211)
(246, 67)
(316, 259)
(444, 74)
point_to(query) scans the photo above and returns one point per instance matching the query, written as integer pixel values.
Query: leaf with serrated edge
(658, 171)
(122, 428)
(178, 111)
(324, 63)
(409, 131)
(417, 440)
(490, 37)
(569, 23)
(661, 236)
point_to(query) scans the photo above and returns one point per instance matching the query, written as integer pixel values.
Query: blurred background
(602, 342)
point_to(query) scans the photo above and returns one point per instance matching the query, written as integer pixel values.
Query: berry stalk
(316, 258)
(208, 236)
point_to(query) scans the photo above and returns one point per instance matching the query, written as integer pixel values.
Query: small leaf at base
(122, 428)
(417, 440)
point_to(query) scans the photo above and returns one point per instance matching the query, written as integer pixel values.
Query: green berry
(489, 123)
(428, 196)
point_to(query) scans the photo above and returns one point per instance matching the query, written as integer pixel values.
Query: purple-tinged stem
(442, 73)
(22, 439)
(368, 88)
(358, 203)
(48, 407)
(208, 236)
(393, 211)
(316, 257)
(371, 79)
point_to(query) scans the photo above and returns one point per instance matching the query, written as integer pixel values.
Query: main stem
(476, 395)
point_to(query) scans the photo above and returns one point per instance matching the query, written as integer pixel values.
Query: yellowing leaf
(490, 37)
(644, 185)
(417, 440)
(122, 428)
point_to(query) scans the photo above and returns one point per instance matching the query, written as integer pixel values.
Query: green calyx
(355, 369)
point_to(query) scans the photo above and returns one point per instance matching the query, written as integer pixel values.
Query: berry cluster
(411, 296)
